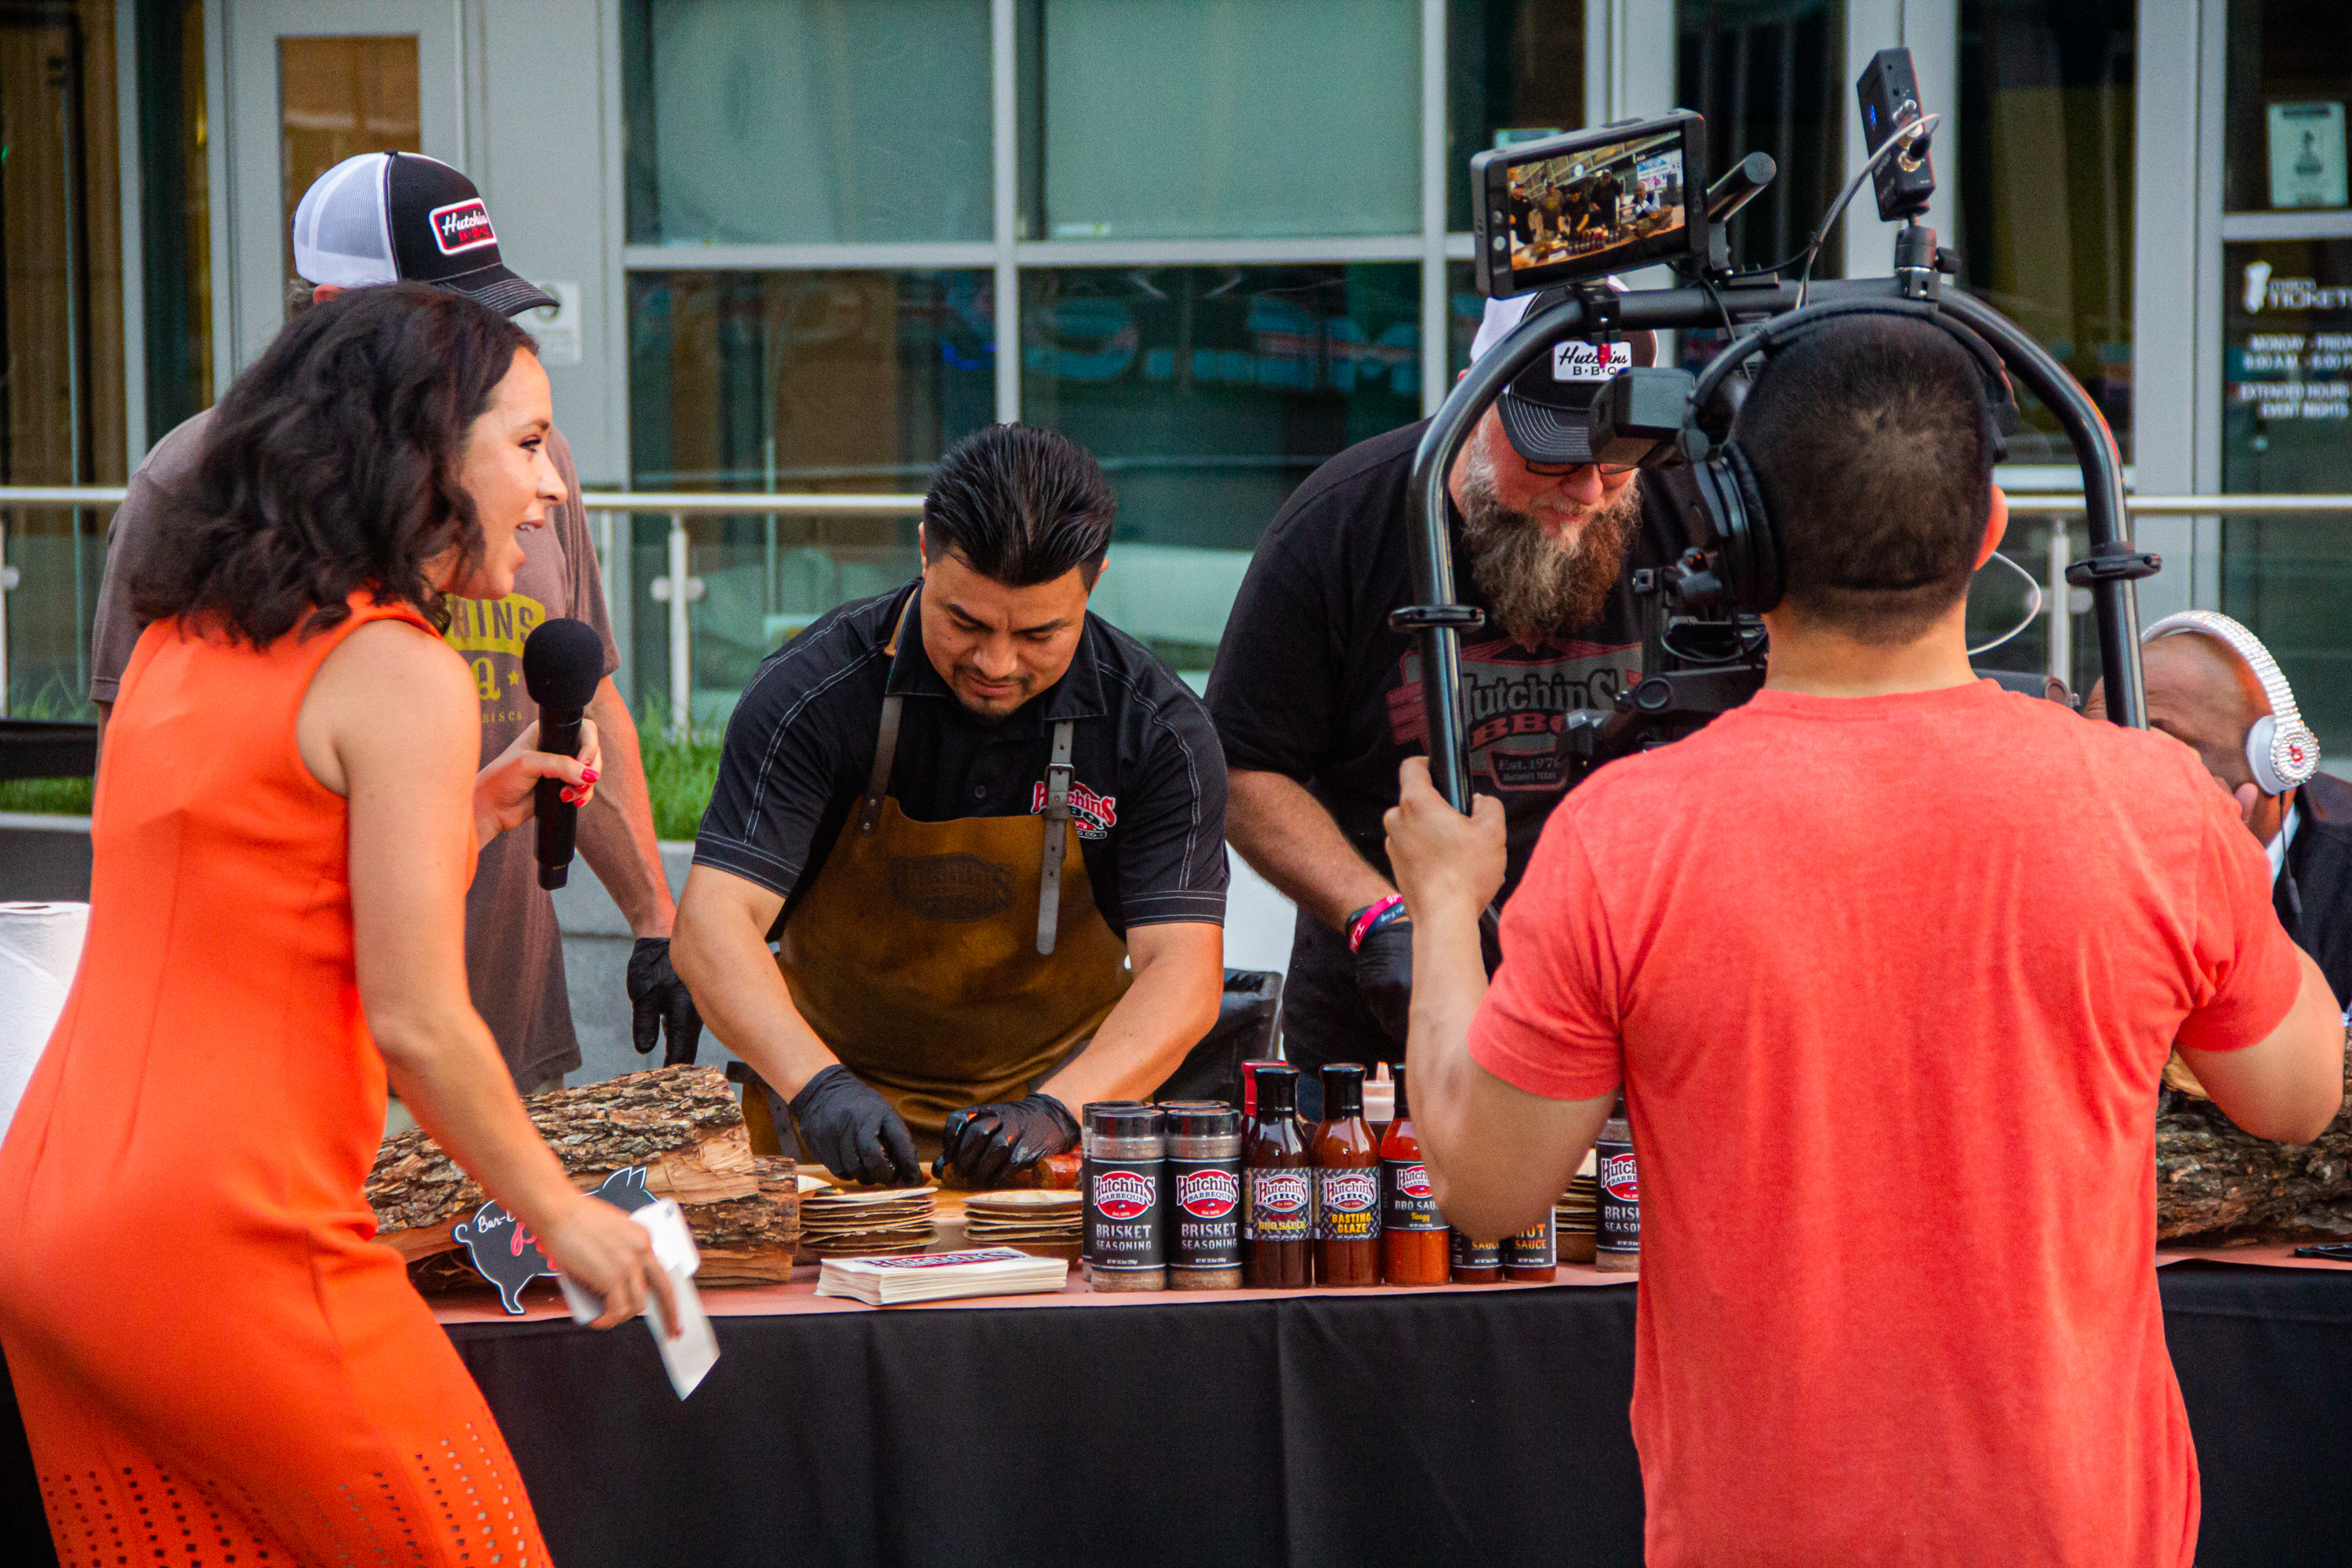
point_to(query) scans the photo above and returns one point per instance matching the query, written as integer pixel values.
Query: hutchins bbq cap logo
(1123, 1195)
(1208, 1194)
(462, 226)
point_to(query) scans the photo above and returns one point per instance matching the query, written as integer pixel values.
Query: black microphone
(562, 661)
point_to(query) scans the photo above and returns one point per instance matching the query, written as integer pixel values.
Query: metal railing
(679, 589)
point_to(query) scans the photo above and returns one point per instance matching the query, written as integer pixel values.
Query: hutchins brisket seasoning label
(1205, 1198)
(1621, 1197)
(1347, 1203)
(1125, 1223)
(1281, 1204)
(1406, 1201)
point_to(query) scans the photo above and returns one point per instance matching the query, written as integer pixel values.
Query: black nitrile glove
(853, 1131)
(659, 1004)
(1384, 976)
(988, 1141)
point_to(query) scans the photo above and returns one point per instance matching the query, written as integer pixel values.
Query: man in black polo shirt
(986, 831)
(1318, 702)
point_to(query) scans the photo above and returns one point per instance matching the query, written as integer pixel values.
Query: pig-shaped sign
(507, 1254)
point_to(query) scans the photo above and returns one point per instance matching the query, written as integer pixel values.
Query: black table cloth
(1451, 1427)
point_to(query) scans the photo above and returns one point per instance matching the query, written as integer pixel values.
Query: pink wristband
(1364, 923)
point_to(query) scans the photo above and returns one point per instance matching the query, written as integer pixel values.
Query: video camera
(1567, 211)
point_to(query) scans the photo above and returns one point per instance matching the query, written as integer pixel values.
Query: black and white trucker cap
(386, 217)
(1544, 408)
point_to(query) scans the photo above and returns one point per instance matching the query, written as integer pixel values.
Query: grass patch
(51, 797)
(55, 797)
(680, 770)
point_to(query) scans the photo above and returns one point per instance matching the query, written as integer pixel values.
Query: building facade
(801, 245)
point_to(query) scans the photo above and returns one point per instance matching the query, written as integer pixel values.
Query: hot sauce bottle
(1413, 1233)
(1347, 1184)
(1280, 1180)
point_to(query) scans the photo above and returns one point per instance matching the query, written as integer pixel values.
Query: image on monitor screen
(1582, 205)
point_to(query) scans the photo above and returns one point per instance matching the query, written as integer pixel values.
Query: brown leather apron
(952, 963)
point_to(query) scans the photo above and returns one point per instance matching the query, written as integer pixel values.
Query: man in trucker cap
(388, 217)
(1317, 701)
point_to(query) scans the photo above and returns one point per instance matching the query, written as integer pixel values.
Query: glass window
(175, 214)
(338, 97)
(1769, 78)
(61, 346)
(806, 121)
(2290, 84)
(1208, 393)
(1516, 71)
(2045, 227)
(2286, 419)
(790, 381)
(1242, 120)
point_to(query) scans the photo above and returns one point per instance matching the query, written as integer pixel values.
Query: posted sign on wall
(2287, 366)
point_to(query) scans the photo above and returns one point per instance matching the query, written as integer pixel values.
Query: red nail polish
(590, 775)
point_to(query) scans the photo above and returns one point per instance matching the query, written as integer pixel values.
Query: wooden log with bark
(2216, 1184)
(681, 1124)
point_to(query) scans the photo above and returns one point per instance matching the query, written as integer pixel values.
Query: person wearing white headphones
(2213, 686)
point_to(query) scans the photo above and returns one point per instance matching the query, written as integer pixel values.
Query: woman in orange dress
(215, 1361)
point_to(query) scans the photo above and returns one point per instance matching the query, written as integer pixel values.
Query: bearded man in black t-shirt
(1316, 702)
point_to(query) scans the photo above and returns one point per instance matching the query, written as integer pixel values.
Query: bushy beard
(1538, 587)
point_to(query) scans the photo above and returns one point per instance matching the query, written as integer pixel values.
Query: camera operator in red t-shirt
(1887, 961)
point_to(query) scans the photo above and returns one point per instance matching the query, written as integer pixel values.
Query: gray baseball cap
(1544, 409)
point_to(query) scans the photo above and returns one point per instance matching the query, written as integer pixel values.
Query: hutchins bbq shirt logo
(1207, 1194)
(462, 226)
(1096, 815)
(490, 633)
(1123, 1195)
(1518, 699)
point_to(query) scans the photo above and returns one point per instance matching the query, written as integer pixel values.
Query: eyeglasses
(1562, 470)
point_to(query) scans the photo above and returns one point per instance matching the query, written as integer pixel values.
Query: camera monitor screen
(1589, 203)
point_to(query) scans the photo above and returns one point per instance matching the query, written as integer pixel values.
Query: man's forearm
(1172, 1004)
(1449, 982)
(1288, 838)
(743, 1000)
(616, 828)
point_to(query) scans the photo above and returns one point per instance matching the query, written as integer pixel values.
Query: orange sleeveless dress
(215, 1361)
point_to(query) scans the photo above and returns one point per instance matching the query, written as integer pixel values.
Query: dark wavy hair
(1024, 506)
(332, 465)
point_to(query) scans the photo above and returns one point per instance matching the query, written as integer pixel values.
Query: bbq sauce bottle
(1413, 1233)
(1347, 1184)
(1280, 1179)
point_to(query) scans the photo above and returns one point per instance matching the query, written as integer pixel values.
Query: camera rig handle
(1438, 620)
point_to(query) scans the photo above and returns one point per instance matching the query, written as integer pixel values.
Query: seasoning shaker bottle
(1204, 1195)
(1619, 1245)
(1278, 1186)
(1413, 1233)
(1347, 1184)
(1125, 1151)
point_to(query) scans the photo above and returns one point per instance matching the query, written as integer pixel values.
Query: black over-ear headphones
(1728, 506)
